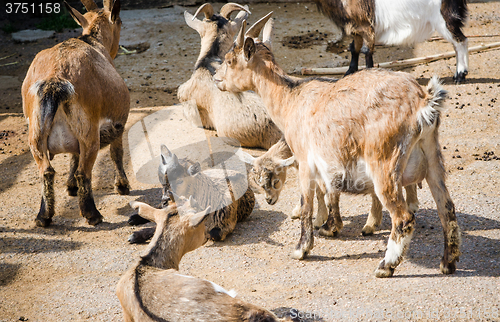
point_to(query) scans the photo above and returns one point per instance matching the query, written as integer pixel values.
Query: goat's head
(269, 173)
(217, 31)
(103, 24)
(180, 224)
(247, 57)
(176, 175)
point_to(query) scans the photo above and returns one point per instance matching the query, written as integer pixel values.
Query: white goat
(390, 22)
(209, 188)
(374, 130)
(153, 290)
(240, 116)
(269, 173)
(76, 102)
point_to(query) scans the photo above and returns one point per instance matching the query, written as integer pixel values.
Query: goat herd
(373, 132)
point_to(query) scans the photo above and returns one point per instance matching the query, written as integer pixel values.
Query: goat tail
(49, 94)
(435, 96)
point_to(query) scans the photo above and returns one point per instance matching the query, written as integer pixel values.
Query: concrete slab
(32, 35)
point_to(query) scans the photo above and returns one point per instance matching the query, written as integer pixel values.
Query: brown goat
(242, 117)
(374, 130)
(269, 173)
(76, 102)
(153, 290)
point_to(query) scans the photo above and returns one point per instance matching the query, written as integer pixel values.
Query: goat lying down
(269, 173)
(76, 102)
(402, 22)
(153, 290)
(209, 187)
(374, 130)
(239, 116)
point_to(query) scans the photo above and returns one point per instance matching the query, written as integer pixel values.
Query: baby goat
(209, 187)
(269, 172)
(375, 130)
(76, 102)
(240, 116)
(153, 290)
(403, 22)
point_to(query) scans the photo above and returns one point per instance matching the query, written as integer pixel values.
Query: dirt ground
(69, 271)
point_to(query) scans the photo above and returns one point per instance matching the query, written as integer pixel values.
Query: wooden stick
(7, 56)
(126, 51)
(470, 36)
(396, 63)
(9, 64)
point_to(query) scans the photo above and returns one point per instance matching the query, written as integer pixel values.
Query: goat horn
(231, 7)
(89, 5)
(254, 31)
(268, 33)
(241, 35)
(207, 9)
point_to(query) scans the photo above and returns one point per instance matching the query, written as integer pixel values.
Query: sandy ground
(69, 271)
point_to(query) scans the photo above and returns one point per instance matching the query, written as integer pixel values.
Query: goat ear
(196, 219)
(144, 210)
(194, 169)
(245, 157)
(77, 16)
(287, 162)
(115, 11)
(193, 22)
(249, 48)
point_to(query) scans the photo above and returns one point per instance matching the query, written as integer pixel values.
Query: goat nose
(215, 234)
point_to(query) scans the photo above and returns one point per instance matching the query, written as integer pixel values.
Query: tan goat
(153, 290)
(243, 116)
(269, 173)
(374, 130)
(76, 102)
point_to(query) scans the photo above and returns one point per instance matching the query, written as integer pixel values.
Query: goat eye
(276, 183)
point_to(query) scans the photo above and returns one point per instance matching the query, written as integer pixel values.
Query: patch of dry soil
(69, 271)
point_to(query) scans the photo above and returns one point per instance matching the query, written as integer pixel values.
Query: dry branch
(396, 63)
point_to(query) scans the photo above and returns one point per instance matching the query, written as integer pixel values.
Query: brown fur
(358, 18)
(76, 102)
(239, 116)
(209, 188)
(153, 290)
(375, 129)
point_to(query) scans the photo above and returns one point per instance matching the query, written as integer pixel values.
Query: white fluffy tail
(436, 94)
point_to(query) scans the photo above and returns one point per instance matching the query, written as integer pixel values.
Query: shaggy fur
(153, 290)
(209, 188)
(269, 173)
(75, 102)
(240, 116)
(389, 22)
(367, 132)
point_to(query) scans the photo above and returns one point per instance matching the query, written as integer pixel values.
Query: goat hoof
(460, 77)
(136, 220)
(448, 268)
(367, 231)
(95, 220)
(328, 233)
(136, 239)
(382, 271)
(299, 254)
(43, 222)
(123, 189)
(72, 191)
